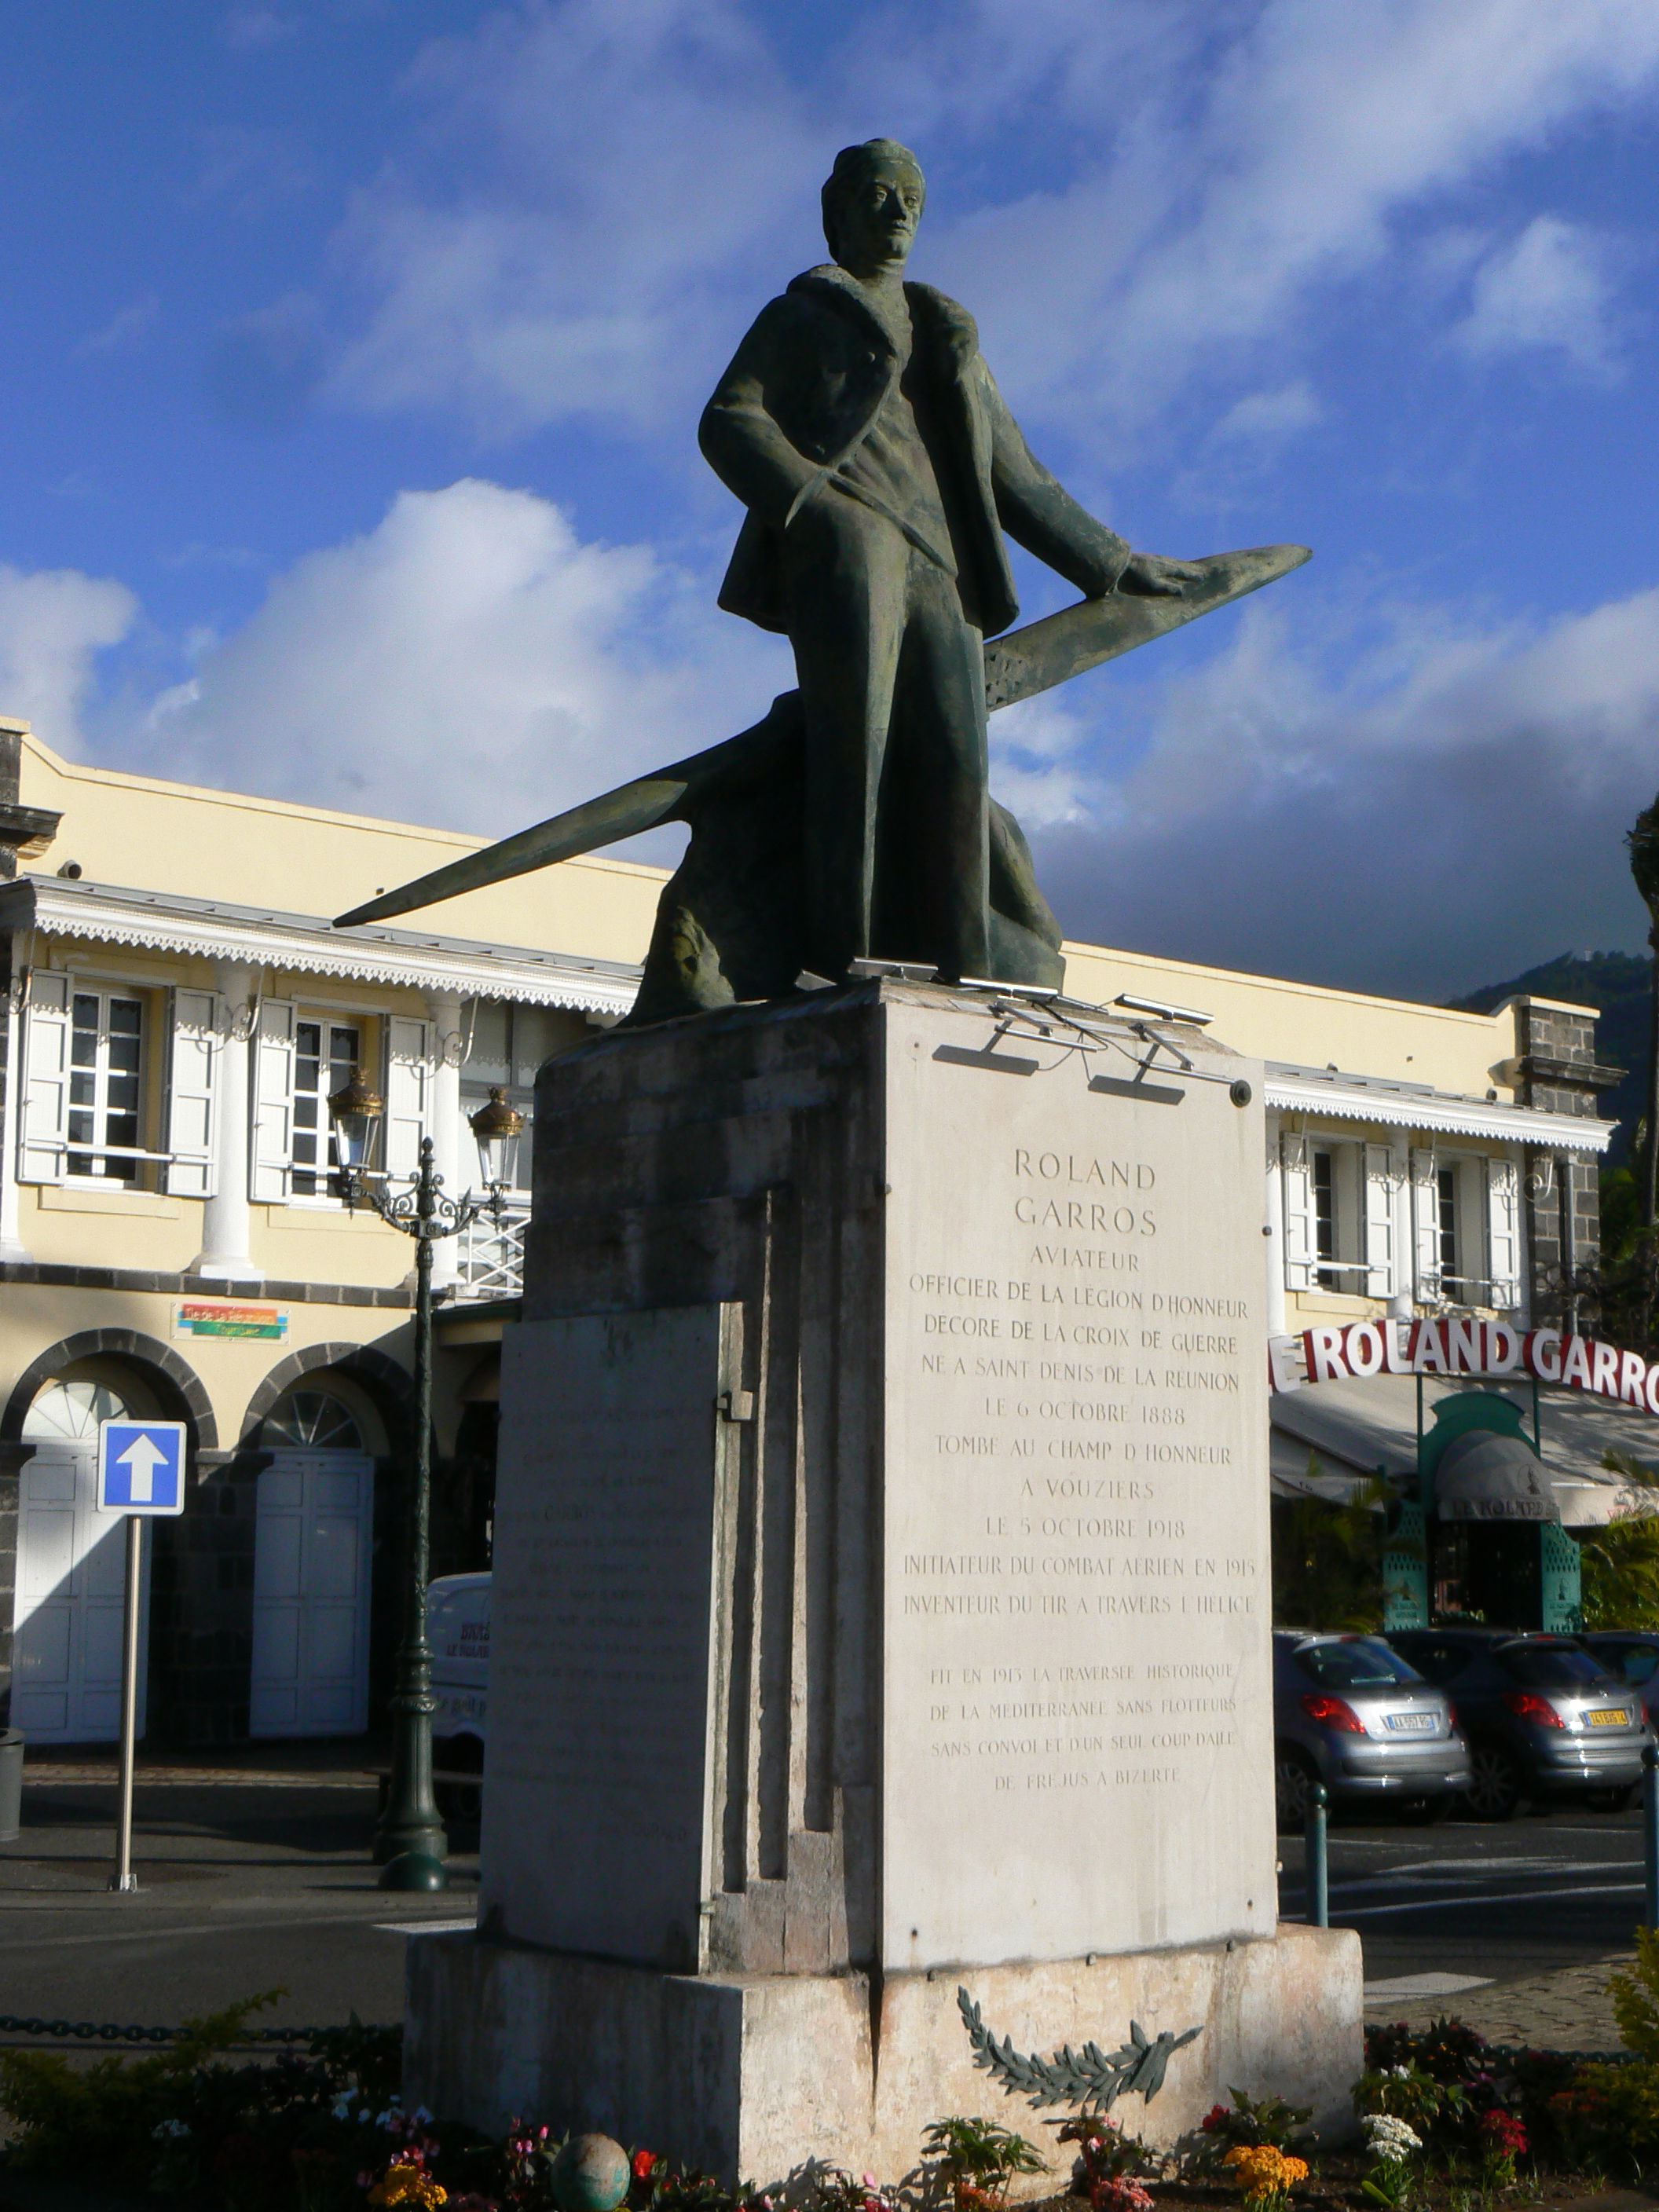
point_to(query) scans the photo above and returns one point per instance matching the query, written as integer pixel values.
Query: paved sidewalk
(255, 1869)
(315, 1763)
(1568, 2009)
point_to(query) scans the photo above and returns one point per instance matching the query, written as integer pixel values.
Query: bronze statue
(858, 424)
(861, 426)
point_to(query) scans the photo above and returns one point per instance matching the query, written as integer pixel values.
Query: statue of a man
(860, 426)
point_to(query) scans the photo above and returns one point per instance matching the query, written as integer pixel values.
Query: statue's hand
(1151, 576)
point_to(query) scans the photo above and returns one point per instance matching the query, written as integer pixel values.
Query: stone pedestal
(881, 1595)
(748, 2075)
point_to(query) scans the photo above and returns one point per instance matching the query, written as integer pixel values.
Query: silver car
(1545, 1719)
(1352, 1714)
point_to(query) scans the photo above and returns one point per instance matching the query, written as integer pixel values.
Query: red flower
(1504, 2131)
(1213, 2118)
(642, 2162)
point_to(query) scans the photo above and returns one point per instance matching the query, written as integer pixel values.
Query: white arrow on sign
(141, 1459)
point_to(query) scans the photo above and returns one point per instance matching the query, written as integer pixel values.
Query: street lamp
(497, 1128)
(409, 1843)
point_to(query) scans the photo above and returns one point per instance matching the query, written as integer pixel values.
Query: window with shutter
(193, 1051)
(1379, 1221)
(407, 1092)
(1503, 1233)
(1425, 1227)
(325, 1055)
(106, 1086)
(46, 1079)
(1450, 1190)
(1300, 1251)
(272, 1163)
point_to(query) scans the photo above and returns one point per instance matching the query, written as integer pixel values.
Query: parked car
(458, 1629)
(1543, 1717)
(1632, 1655)
(1352, 1714)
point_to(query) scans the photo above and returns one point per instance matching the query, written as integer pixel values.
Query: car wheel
(1497, 1786)
(1615, 1798)
(1293, 1779)
(1428, 1811)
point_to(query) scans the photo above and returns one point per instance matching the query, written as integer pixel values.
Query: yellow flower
(1263, 2171)
(406, 2182)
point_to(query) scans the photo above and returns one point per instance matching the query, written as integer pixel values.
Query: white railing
(489, 1263)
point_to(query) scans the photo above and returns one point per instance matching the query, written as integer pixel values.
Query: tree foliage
(1618, 1297)
(1619, 1563)
(1327, 1556)
(1642, 839)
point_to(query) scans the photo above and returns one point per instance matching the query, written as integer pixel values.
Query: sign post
(141, 1474)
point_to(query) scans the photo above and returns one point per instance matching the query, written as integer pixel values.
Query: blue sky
(355, 349)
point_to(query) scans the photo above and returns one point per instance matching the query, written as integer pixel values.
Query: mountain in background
(1617, 982)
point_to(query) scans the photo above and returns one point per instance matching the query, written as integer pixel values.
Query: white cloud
(1221, 166)
(1036, 764)
(1446, 810)
(1202, 236)
(53, 623)
(470, 661)
(1548, 287)
(1264, 420)
(571, 272)
(125, 327)
(252, 29)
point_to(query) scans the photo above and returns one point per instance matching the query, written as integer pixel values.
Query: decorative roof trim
(294, 944)
(1410, 1109)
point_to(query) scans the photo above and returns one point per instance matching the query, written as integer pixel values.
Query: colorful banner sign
(219, 1317)
(1457, 1345)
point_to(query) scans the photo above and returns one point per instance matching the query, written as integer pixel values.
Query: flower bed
(1444, 2121)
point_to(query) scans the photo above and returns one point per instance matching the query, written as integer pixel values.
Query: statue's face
(876, 216)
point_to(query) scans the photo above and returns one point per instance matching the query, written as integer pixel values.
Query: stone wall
(1559, 1074)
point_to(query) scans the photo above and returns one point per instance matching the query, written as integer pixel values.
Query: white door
(311, 1583)
(71, 1584)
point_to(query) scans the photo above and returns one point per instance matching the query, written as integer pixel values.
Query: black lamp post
(409, 1843)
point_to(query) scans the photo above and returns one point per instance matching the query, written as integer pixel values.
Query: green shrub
(102, 2120)
(976, 2160)
(286, 2133)
(1618, 1563)
(1269, 2122)
(1635, 1997)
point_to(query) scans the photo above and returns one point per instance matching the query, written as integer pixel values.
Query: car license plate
(1411, 1723)
(1619, 1718)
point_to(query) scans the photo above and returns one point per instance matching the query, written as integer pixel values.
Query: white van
(458, 1629)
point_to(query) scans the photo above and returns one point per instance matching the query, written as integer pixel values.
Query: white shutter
(40, 1157)
(1425, 1227)
(192, 1087)
(1503, 1239)
(407, 1092)
(1377, 1163)
(1299, 1244)
(271, 1168)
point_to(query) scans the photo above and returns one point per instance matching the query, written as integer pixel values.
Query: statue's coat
(802, 391)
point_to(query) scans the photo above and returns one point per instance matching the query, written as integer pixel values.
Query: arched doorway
(71, 1565)
(312, 1548)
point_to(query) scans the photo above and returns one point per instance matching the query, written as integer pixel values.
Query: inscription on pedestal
(1078, 1716)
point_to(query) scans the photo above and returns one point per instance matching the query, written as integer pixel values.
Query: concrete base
(750, 2076)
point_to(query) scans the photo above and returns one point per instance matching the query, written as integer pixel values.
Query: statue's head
(873, 202)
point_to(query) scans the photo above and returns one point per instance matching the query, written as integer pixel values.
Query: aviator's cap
(854, 160)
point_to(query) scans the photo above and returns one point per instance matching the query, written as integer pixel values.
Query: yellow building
(172, 1242)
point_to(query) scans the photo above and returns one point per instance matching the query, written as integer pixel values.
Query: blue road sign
(141, 1467)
